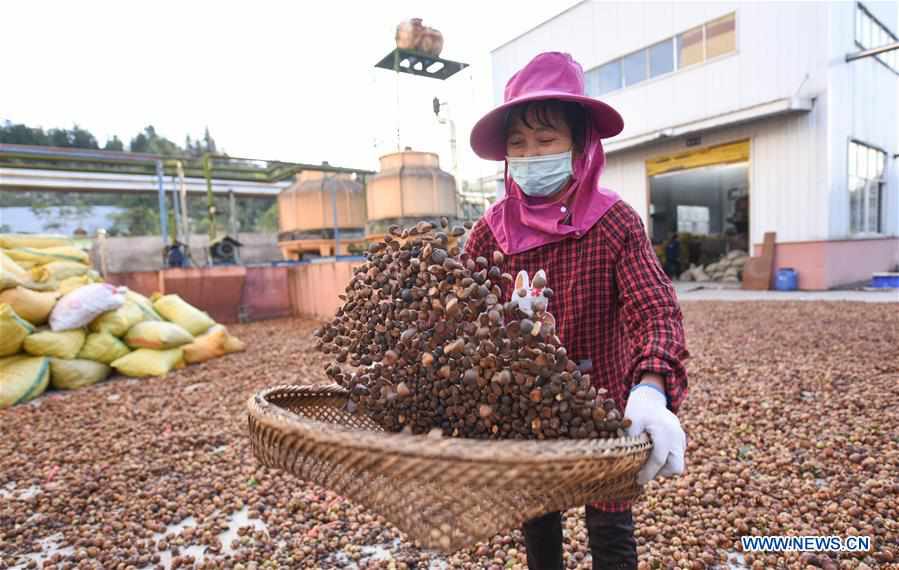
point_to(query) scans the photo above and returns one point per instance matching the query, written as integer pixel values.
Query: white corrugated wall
(787, 174)
(865, 107)
(798, 184)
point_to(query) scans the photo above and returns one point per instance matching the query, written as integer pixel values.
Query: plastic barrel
(786, 279)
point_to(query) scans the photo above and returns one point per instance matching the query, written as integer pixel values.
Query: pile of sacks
(60, 326)
(728, 269)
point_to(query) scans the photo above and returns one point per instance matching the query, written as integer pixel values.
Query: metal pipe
(232, 213)
(460, 199)
(177, 209)
(98, 155)
(210, 201)
(185, 219)
(365, 194)
(872, 52)
(16, 150)
(336, 228)
(163, 214)
(396, 69)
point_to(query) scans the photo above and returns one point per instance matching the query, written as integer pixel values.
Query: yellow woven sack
(158, 335)
(234, 344)
(146, 305)
(66, 286)
(37, 241)
(60, 270)
(102, 347)
(33, 306)
(74, 374)
(177, 310)
(41, 279)
(206, 347)
(29, 256)
(40, 274)
(8, 281)
(118, 322)
(147, 362)
(10, 267)
(27, 264)
(64, 344)
(22, 378)
(13, 330)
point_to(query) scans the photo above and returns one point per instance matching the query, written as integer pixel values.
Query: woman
(615, 309)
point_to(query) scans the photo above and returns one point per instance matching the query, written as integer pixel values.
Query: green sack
(13, 330)
(63, 344)
(118, 322)
(22, 378)
(147, 362)
(74, 374)
(102, 347)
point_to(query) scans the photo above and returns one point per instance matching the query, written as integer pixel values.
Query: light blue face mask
(540, 176)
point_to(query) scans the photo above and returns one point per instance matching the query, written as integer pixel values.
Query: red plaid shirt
(613, 304)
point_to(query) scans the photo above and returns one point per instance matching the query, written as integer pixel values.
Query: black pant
(610, 536)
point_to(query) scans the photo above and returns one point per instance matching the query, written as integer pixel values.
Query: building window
(661, 58)
(608, 77)
(689, 48)
(712, 39)
(633, 68)
(871, 33)
(720, 36)
(866, 178)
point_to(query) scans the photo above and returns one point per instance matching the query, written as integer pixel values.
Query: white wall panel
(798, 172)
(864, 106)
(777, 45)
(787, 175)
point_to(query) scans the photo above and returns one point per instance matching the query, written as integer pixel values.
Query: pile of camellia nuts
(424, 342)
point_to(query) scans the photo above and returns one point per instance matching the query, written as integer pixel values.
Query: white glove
(647, 409)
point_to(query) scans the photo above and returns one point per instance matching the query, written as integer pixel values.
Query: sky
(289, 80)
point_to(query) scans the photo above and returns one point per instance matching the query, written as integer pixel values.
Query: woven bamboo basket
(443, 493)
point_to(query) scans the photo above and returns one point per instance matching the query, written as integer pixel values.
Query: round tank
(410, 186)
(306, 208)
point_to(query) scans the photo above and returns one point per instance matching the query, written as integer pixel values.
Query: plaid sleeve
(479, 242)
(651, 315)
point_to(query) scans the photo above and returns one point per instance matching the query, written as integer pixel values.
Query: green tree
(59, 137)
(252, 211)
(208, 142)
(268, 221)
(114, 144)
(56, 209)
(140, 143)
(22, 134)
(81, 138)
(150, 141)
(140, 216)
(76, 137)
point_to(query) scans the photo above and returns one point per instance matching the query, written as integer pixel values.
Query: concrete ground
(691, 291)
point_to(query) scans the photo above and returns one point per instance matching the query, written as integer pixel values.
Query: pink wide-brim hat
(550, 75)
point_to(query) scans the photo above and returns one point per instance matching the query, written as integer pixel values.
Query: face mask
(540, 176)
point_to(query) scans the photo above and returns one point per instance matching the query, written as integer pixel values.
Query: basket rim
(475, 451)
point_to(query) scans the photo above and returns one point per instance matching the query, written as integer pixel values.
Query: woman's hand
(648, 411)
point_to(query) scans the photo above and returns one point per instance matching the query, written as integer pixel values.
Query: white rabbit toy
(530, 299)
